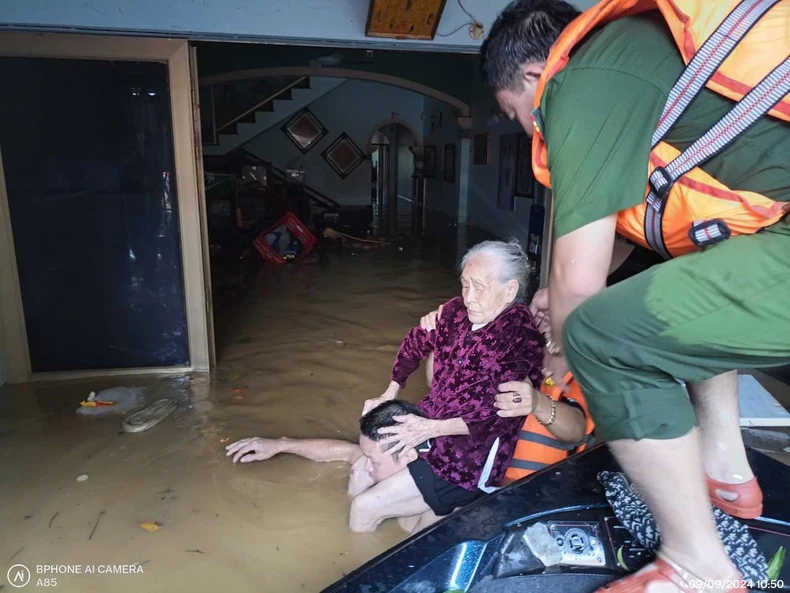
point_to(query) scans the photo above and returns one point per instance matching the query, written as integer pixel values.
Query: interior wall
(440, 127)
(405, 166)
(317, 21)
(484, 179)
(445, 72)
(355, 108)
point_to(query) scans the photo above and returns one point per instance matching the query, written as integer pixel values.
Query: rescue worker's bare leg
(692, 319)
(673, 486)
(715, 404)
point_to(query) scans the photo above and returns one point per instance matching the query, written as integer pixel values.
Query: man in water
(370, 460)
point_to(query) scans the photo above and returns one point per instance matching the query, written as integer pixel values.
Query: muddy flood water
(305, 347)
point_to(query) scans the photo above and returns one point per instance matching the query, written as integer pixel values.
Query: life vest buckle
(709, 232)
(661, 181)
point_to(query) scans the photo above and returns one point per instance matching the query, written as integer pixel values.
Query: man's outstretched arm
(322, 450)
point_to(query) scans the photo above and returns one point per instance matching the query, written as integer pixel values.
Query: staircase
(234, 113)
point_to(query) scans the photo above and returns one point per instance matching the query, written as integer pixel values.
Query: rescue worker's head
(381, 464)
(513, 55)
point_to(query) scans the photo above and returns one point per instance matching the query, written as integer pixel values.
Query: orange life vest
(537, 447)
(695, 198)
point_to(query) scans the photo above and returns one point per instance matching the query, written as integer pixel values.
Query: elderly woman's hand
(428, 322)
(410, 432)
(390, 394)
(516, 398)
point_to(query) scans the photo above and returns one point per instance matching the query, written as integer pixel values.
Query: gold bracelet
(553, 414)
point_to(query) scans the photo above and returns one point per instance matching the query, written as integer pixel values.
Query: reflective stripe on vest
(685, 208)
(754, 105)
(537, 447)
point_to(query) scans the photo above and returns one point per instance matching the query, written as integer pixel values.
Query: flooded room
(410, 296)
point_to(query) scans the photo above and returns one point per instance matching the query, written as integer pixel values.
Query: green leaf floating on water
(776, 564)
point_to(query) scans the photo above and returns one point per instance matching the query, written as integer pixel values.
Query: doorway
(100, 219)
(396, 194)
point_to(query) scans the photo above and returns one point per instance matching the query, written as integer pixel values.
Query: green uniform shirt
(600, 112)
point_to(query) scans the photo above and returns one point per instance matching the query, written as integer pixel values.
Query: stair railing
(315, 195)
(256, 107)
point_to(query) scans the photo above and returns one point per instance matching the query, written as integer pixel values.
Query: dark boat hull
(480, 549)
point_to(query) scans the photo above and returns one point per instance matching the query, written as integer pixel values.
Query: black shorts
(442, 496)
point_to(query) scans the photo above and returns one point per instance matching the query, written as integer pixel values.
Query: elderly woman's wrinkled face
(485, 296)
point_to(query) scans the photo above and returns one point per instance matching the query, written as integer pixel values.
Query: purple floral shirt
(468, 368)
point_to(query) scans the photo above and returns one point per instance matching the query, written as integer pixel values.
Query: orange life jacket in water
(537, 447)
(731, 48)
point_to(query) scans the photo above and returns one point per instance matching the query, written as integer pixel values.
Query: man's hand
(516, 398)
(255, 449)
(555, 367)
(390, 394)
(540, 310)
(411, 431)
(428, 322)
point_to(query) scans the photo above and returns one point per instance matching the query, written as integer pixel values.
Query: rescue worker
(608, 128)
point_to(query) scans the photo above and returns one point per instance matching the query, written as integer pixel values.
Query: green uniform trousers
(687, 319)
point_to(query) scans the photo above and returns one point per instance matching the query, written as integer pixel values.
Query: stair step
(304, 84)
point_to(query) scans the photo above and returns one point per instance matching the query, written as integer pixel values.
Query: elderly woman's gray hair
(512, 262)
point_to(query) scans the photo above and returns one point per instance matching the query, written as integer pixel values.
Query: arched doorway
(396, 195)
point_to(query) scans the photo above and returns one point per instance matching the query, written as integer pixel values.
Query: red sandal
(747, 505)
(661, 571)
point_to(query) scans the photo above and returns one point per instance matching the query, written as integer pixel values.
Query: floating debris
(151, 526)
(97, 524)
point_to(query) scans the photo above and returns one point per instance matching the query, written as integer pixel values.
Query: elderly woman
(487, 360)
(485, 346)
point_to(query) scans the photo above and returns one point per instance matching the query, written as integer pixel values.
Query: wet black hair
(382, 417)
(523, 33)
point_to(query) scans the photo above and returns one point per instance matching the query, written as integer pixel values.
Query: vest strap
(709, 232)
(707, 60)
(755, 104)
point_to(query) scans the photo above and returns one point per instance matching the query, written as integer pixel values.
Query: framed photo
(449, 163)
(343, 155)
(429, 162)
(508, 152)
(304, 130)
(525, 180)
(481, 149)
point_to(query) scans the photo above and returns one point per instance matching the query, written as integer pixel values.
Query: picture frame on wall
(525, 180)
(429, 162)
(481, 149)
(343, 155)
(449, 163)
(508, 157)
(304, 130)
